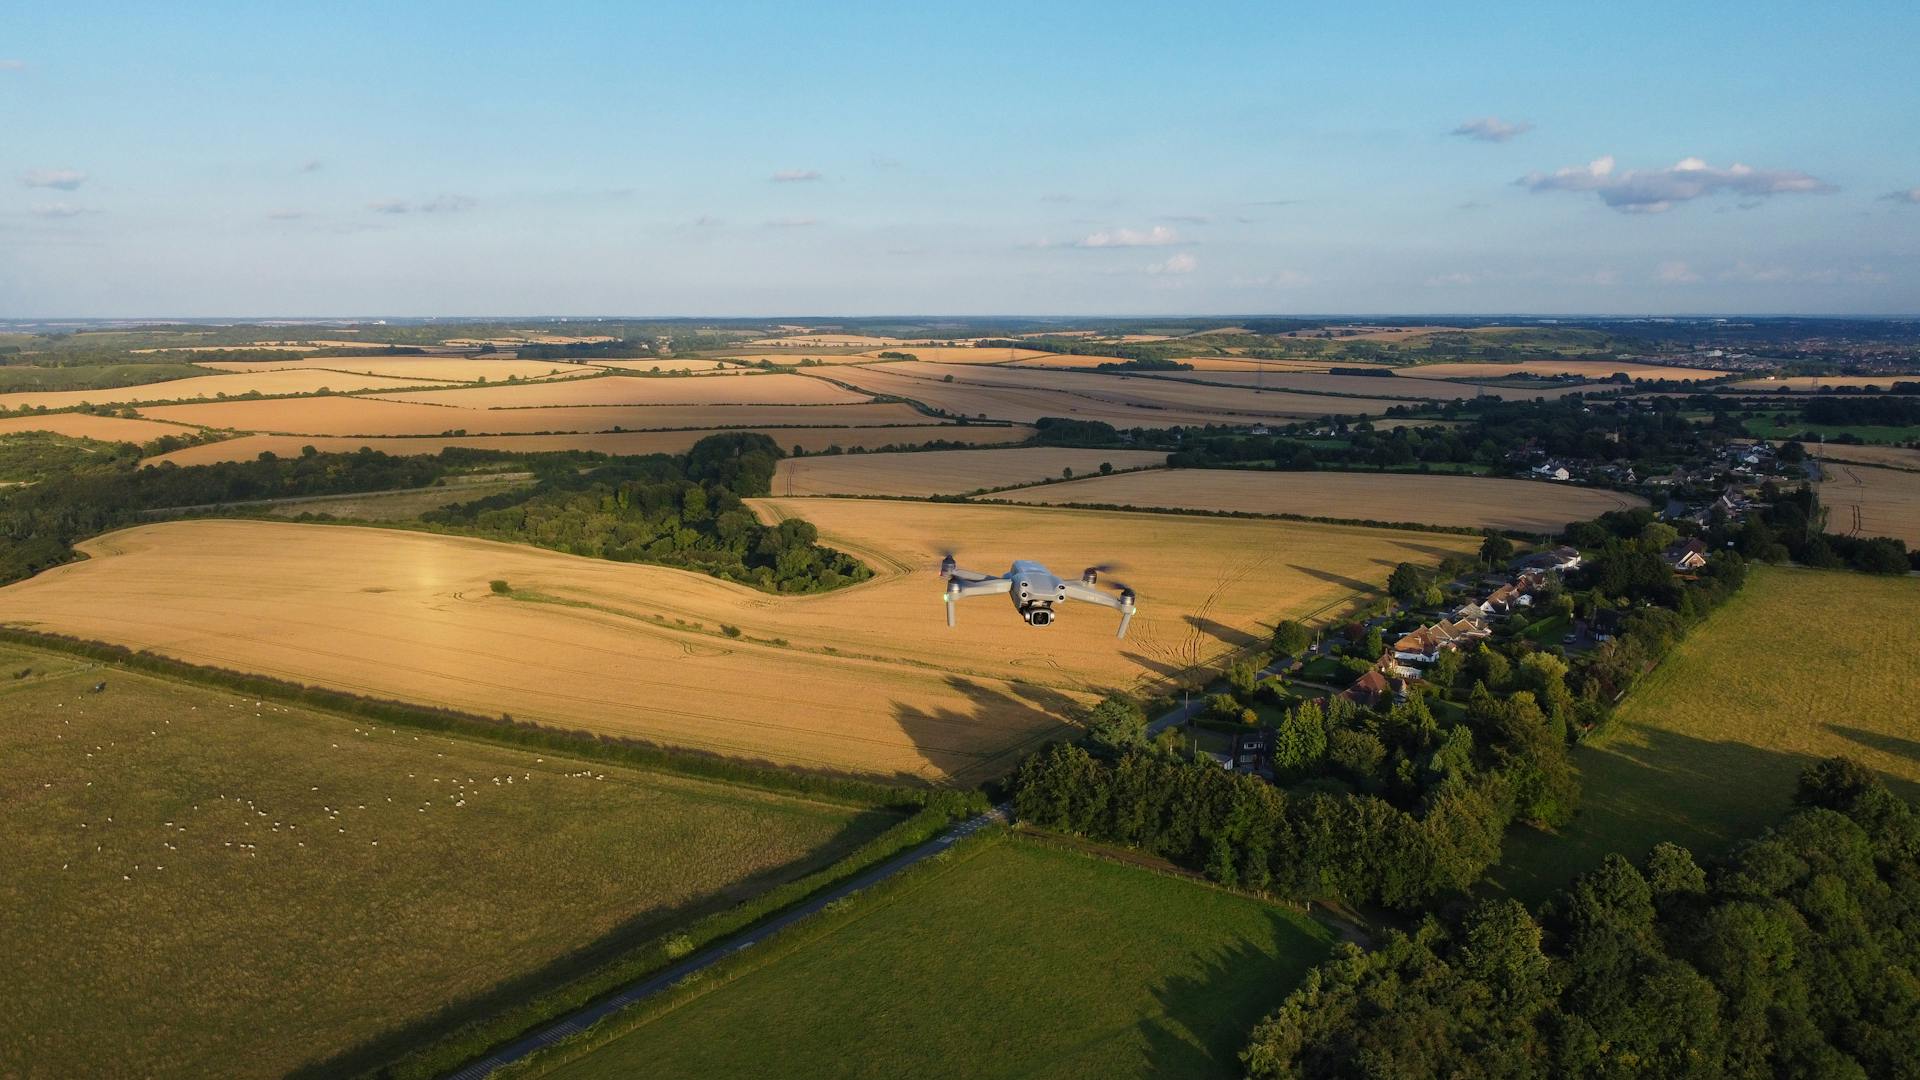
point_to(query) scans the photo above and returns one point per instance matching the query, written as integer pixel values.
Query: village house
(1685, 555)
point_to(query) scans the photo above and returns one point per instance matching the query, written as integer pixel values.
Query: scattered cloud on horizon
(1453, 280)
(1492, 129)
(1654, 191)
(1186, 219)
(56, 210)
(1675, 272)
(1181, 263)
(1279, 279)
(287, 215)
(13, 65)
(439, 204)
(792, 222)
(1157, 236)
(60, 179)
(312, 165)
(707, 221)
(794, 176)
(1910, 196)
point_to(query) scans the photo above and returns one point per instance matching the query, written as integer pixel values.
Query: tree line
(675, 510)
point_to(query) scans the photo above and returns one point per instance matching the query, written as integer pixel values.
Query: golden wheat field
(439, 369)
(866, 678)
(760, 389)
(816, 341)
(1585, 369)
(1898, 457)
(946, 472)
(372, 416)
(669, 364)
(812, 440)
(1476, 502)
(231, 384)
(1821, 382)
(968, 354)
(1198, 363)
(1865, 501)
(1027, 394)
(1403, 386)
(89, 426)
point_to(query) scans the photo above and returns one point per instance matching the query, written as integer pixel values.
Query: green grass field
(92, 376)
(1013, 959)
(1789, 426)
(1802, 664)
(199, 884)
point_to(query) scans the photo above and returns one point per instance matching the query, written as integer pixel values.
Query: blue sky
(414, 158)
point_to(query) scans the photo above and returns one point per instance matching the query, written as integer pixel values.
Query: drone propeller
(1092, 574)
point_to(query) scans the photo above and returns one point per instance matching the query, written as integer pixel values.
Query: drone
(1035, 590)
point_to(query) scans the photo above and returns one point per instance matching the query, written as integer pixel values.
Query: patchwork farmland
(1460, 501)
(866, 678)
(947, 472)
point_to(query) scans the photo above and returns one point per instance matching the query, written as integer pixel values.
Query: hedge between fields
(449, 1052)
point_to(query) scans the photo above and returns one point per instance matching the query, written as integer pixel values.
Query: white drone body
(1035, 590)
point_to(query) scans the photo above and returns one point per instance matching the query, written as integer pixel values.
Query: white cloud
(312, 165)
(13, 65)
(439, 204)
(1453, 280)
(1652, 191)
(1181, 263)
(1492, 129)
(56, 210)
(1158, 236)
(1279, 279)
(794, 176)
(1675, 272)
(62, 179)
(1911, 195)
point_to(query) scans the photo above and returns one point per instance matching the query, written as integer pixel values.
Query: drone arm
(959, 588)
(1123, 603)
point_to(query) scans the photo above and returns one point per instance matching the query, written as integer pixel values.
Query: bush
(500, 586)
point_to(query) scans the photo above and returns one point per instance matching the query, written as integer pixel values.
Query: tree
(1495, 550)
(1291, 638)
(1405, 583)
(1106, 468)
(1116, 723)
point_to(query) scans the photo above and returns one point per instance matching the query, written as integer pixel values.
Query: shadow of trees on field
(1206, 1013)
(638, 930)
(1648, 785)
(1219, 631)
(948, 738)
(1351, 584)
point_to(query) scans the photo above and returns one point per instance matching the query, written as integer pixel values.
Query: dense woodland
(1798, 955)
(683, 510)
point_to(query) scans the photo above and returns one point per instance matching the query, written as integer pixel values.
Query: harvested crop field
(866, 678)
(963, 354)
(1027, 394)
(758, 389)
(1807, 383)
(89, 426)
(438, 369)
(667, 365)
(201, 884)
(1198, 363)
(1862, 500)
(812, 440)
(373, 416)
(1585, 369)
(1896, 457)
(209, 386)
(1476, 502)
(945, 472)
(1402, 386)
